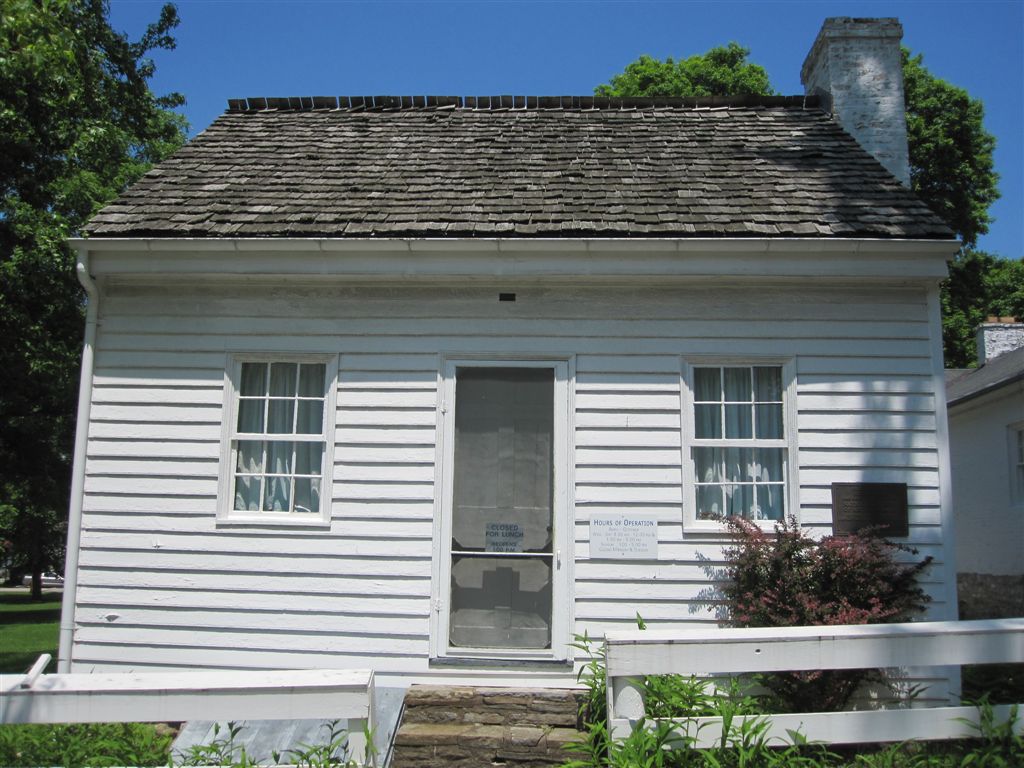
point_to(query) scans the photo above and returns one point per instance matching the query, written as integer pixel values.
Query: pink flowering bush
(788, 579)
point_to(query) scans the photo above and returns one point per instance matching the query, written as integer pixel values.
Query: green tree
(979, 285)
(722, 71)
(78, 123)
(951, 165)
(952, 170)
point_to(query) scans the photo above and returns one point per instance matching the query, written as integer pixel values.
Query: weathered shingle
(598, 168)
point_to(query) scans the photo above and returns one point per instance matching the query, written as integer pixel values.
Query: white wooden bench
(175, 697)
(725, 652)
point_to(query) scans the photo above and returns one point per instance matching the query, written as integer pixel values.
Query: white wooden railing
(726, 652)
(327, 694)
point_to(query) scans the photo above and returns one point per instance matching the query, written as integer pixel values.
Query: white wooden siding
(163, 586)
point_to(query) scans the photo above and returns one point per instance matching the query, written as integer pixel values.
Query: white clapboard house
(429, 385)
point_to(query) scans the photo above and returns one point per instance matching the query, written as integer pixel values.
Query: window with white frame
(737, 447)
(279, 444)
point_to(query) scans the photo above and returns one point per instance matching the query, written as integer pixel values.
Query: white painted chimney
(855, 67)
(997, 336)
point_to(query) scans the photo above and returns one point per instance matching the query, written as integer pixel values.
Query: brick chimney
(854, 65)
(997, 336)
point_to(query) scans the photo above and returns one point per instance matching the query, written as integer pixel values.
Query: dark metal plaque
(881, 506)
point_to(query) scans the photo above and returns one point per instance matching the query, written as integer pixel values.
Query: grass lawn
(28, 629)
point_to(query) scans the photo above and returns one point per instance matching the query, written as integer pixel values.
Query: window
(279, 424)
(736, 450)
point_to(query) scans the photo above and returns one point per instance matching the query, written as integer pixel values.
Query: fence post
(625, 702)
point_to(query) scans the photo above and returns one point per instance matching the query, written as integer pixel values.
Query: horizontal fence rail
(176, 697)
(724, 652)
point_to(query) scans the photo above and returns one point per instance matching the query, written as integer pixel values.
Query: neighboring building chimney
(997, 336)
(855, 65)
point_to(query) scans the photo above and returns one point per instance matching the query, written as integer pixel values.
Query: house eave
(619, 259)
(993, 388)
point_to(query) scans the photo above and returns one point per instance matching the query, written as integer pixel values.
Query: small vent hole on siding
(506, 297)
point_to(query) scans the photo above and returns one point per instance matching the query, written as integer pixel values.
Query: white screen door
(502, 553)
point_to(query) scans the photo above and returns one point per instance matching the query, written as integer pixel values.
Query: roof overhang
(563, 259)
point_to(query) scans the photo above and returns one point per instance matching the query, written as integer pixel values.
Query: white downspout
(67, 613)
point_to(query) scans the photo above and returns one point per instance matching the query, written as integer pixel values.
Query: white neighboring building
(364, 378)
(986, 437)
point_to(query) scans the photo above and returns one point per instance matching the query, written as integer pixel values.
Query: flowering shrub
(788, 579)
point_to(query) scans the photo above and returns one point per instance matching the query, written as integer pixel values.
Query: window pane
(279, 458)
(307, 494)
(739, 464)
(308, 458)
(502, 494)
(767, 384)
(311, 379)
(254, 379)
(709, 503)
(250, 415)
(501, 602)
(276, 498)
(737, 385)
(247, 493)
(281, 416)
(708, 421)
(738, 422)
(739, 500)
(769, 421)
(770, 505)
(707, 384)
(250, 457)
(708, 464)
(769, 465)
(282, 379)
(311, 417)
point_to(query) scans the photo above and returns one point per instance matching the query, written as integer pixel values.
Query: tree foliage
(951, 166)
(78, 123)
(979, 285)
(952, 170)
(722, 71)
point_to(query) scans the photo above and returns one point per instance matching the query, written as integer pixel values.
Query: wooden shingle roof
(539, 167)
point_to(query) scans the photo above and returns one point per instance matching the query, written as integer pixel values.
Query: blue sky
(240, 48)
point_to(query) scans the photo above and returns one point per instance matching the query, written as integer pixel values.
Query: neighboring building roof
(518, 167)
(967, 383)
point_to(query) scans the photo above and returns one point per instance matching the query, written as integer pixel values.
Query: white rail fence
(175, 697)
(725, 652)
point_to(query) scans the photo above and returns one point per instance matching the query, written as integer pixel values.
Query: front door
(502, 573)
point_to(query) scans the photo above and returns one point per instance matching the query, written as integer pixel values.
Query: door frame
(563, 517)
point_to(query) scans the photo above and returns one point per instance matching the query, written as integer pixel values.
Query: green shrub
(96, 745)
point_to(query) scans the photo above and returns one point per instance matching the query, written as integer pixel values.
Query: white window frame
(563, 516)
(789, 442)
(226, 513)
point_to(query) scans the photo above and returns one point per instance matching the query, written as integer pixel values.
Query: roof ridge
(503, 103)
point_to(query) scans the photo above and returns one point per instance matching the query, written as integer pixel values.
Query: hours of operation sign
(623, 536)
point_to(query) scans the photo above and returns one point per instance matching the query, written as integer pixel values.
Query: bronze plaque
(881, 506)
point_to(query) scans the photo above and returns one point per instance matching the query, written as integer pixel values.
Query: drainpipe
(67, 613)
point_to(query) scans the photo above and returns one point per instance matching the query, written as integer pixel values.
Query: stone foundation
(988, 596)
